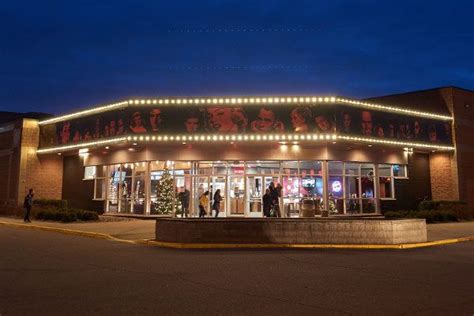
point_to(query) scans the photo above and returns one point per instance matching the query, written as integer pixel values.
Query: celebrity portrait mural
(262, 118)
(267, 121)
(379, 124)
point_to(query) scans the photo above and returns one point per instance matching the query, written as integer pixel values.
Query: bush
(50, 204)
(441, 205)
(66, 215)
(85, 215)
(431, 216)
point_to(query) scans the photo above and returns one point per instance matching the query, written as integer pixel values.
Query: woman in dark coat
(217, 202)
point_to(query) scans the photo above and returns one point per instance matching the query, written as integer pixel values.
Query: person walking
(278, 190)
(203, 204)
(267, 203)
(275, 195)
(217, 202)
(27, 204)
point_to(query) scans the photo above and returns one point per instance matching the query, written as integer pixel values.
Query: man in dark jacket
(27, 204)
(184, 199)
(267, 203)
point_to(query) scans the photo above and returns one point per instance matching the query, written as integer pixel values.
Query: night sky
(62, 56)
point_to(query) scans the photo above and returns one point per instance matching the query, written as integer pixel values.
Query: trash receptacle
(308, 208)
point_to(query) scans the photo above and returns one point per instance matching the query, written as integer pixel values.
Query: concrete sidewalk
(136, 229)
(128, 229)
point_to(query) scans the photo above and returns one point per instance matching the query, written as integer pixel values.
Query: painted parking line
(175, 245)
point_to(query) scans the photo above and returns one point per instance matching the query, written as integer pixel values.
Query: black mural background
(279, 118)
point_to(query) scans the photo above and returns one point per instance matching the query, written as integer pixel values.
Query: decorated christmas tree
(165, 195)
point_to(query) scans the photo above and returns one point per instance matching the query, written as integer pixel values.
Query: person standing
(278, 190)
(184, 199)
(27, 204)
(217, 202)
(203, 204)
(267, 203)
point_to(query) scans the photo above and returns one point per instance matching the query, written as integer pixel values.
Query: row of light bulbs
(243, 137)
(95, 110)
(239, 137)
(82, 146)
(245, 100)
(239, 101)
(394, 142)
(394, 109)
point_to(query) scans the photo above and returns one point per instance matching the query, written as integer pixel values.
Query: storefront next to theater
(347, 156)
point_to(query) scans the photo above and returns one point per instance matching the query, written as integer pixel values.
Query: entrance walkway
(136, 229)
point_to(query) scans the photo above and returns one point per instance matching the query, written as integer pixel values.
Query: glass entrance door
(254, 195)
(218, 183)
(201, 185)
(236, 196)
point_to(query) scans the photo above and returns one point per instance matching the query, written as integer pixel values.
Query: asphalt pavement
(44, 273)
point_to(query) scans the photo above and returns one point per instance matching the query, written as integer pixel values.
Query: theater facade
(348, 156)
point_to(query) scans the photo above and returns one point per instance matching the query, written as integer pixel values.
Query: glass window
(90, 172)
(263, 167)
(367, 185)
(291, 186)
(367, 169)
(311, 168)
(139, 188)
(352, 169)
(386, 187)
(205, 168)
(312, 186)
(335, 167)
(399, 171)
(237, 168)
(99, 189)
(335, 186)
(220, 168)
(290, 168)
(352, 187)
(115, 176)
(385, 170)
(126, 188)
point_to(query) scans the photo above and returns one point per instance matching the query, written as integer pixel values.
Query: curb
(174, 245)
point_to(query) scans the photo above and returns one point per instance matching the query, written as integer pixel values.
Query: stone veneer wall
(43, 173)
(291, 231)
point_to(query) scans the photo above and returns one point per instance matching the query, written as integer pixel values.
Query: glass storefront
(336, 186)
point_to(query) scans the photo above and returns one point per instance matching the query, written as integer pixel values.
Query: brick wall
(463, 108)
(443, 176)
(452, 175)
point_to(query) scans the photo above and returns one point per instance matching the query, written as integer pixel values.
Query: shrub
(395, 214)
(431, 216)
(441, 205)
(66, 215)
(55, 215)
(50, 204)
(85, 215)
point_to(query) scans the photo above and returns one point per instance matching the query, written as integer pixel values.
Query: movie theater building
(348, 156)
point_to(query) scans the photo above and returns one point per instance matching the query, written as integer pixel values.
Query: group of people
(271, 200)
(204, 203)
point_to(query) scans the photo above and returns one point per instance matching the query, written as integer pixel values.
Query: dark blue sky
(61, 56)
